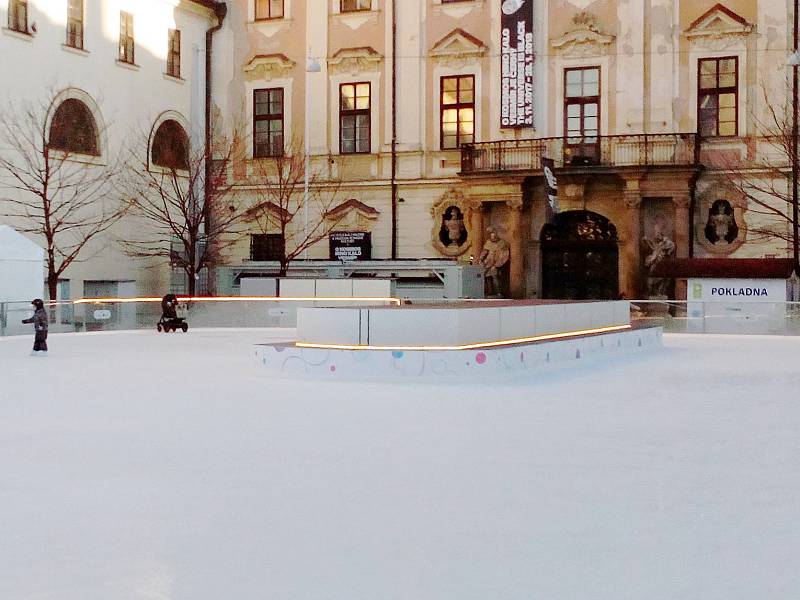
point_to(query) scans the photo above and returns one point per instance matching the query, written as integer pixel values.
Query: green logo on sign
(697, 291)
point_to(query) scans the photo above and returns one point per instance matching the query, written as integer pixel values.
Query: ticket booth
(735, 295)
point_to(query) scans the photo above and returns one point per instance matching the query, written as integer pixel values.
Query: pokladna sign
(516, 64)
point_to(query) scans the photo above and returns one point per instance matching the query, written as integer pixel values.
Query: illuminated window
(73, 129)
(268, 123)
(354, 5)
(354, 118)
(269, 9)
(170, 146)
(174, 53)
(75, 23)
(18, 15)
(126, 45)
(717, 96)
(457, 111)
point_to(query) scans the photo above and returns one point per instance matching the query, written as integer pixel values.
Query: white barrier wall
(453, 326)
(318, 288)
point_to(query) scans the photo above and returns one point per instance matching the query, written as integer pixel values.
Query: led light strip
(537, 338)
(395, 301)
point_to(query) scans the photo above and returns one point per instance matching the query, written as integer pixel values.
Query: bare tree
(55, 186)
(279, 203)
(185, 219)
(764, 177)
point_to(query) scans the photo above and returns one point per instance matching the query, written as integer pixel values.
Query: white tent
(21, 267)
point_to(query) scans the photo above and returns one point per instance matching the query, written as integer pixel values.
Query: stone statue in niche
(721, 227)
(453, 233)
(658, 247)
(493, 258)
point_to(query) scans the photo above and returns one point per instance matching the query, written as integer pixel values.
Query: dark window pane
(73, 128)
(171, 146)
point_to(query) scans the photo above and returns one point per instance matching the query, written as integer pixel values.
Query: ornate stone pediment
(265, 67)
(352, 215)
(451, 214)
(355, 60)
(458, 48)
(584, 39)
(718, 29)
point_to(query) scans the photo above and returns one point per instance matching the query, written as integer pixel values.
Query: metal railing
(610, 150)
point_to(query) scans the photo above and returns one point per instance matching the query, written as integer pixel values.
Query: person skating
(40, 324)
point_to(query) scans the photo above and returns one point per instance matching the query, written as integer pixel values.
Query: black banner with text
(516, 63)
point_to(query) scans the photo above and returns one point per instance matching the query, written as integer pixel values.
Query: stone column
(682, 228)
(477, 229)
(516, 266)
(682, 216)
(630, 254)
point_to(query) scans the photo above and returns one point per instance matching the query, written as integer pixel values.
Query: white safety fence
(145, 313)
(770, 318)
(757, 318)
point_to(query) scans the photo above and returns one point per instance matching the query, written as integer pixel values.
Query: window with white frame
(18, 15)
(268, 123)
(718, 96)
(354, 5)
(457, 111)
(354, 118)
(268, 9)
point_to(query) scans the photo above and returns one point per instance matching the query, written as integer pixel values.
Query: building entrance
(580, 257)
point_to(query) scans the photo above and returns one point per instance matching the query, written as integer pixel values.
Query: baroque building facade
(650, 111)
(425, 132)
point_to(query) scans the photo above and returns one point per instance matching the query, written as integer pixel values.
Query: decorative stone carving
(451, 214)
(457, 49)
(719, 29)
(265, 67)
(352, 215)
(494, 256)
(585, 39)
(719, 223)
(353, 61)
(657, 247)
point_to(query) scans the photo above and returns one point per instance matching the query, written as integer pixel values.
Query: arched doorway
(580, 258)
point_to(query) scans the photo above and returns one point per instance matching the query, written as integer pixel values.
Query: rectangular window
(266, 246)
(582, 114)
(126, 46)
(354, 118)
(354, 5)
(174, 53)
(75, 23)
(18, 15)
(267, 123)
(269, 9)
(718, 96)
(457, 111)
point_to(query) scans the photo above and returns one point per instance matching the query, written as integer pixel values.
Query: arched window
(73, 128)
(170, 146)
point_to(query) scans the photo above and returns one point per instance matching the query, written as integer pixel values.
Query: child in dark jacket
(40, 324)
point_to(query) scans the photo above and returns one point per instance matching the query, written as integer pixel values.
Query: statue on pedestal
(659, 247)
(493, 258)
(453, 233)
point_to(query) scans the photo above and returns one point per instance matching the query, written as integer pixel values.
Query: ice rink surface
(167, 467)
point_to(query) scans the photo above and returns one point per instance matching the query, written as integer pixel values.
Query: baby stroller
(170, 321)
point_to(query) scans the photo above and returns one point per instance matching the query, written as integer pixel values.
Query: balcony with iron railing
(642, 150)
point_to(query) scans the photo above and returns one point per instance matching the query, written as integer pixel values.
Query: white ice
(146, 466)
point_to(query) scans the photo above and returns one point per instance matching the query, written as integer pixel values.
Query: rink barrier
(487, 361)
